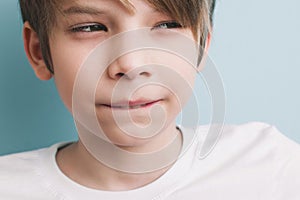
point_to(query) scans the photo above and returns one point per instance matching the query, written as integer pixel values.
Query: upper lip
(130, 104)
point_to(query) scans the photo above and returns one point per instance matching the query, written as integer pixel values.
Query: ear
(208, 40)
(205, 53)
(34, 53)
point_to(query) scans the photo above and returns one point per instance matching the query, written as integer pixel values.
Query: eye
(89, 28)
(167, 25)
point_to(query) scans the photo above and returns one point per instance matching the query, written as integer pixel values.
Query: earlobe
(34, 53)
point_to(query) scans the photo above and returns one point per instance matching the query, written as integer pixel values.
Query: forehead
(189, 13)
(130, 5)
(116, 9)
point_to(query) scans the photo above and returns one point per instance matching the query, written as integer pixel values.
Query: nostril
(131, 74)
(120, 74)
(145, 74)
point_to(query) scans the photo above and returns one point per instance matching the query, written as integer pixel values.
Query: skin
(70, 46)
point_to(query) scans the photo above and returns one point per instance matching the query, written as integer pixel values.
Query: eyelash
(100, 27)
(167, 25)
(89, 28)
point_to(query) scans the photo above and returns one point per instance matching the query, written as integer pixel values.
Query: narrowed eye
(89, 28)
(168, 25)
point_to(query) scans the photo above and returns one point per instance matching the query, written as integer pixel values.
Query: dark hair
(194, 14)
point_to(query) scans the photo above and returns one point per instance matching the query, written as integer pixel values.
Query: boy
(251, 161)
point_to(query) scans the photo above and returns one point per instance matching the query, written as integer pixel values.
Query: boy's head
(61, 35)
(194, 14)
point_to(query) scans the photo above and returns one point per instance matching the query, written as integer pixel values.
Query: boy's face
(84, 25)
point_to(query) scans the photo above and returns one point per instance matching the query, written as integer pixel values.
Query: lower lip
(133, 107)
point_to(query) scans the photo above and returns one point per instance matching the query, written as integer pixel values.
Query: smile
(132, 105)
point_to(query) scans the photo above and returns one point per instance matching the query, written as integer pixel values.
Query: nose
(130, 66)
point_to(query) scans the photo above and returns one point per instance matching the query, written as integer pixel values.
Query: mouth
(129, 105)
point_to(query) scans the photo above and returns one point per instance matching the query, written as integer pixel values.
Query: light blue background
(255, 47)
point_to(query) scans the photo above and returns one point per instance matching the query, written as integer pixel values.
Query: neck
(80, 166)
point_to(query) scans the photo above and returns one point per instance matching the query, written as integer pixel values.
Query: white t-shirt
(250, 162)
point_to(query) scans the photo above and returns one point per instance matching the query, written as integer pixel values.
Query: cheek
(176, 64)
(66, 63)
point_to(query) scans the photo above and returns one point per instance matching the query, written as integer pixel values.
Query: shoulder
(20, 174)
(18, 163)
(28, 161)
(254, 155)
(260, 134)
(255, 138)
(250, 132)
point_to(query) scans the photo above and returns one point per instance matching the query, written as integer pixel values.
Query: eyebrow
(82, 10)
